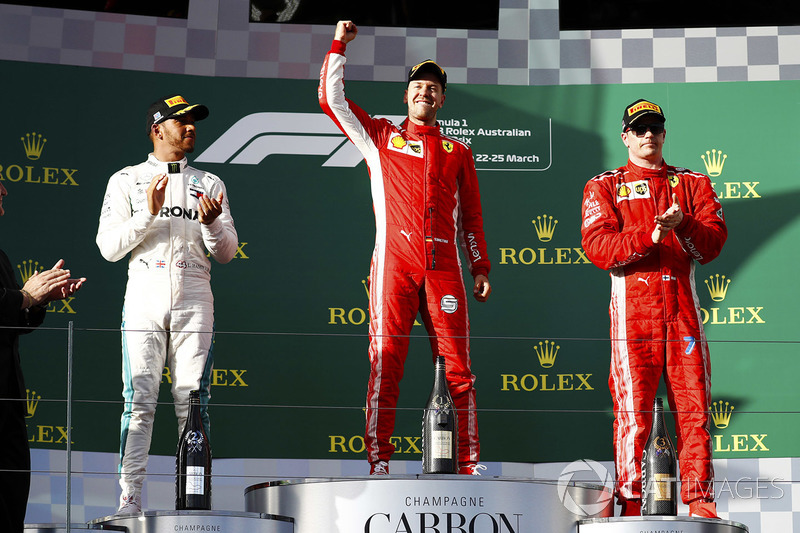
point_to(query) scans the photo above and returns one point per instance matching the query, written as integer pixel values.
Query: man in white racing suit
(167, 215)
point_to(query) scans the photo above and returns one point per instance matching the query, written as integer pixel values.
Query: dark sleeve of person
(11, 300)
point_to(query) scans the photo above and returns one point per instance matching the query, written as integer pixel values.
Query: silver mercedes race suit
(168, 315)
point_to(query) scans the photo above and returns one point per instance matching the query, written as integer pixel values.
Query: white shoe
(379, 468)
(129, 504)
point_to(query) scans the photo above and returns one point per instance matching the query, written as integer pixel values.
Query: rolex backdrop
(291, 309)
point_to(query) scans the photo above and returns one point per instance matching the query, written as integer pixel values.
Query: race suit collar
(420, 130)
(163, 166)
(647, 173)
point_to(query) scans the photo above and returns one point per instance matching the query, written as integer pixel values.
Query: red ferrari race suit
(656, 323)
(426, 202)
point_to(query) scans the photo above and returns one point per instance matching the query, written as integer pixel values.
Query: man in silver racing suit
(166, 214)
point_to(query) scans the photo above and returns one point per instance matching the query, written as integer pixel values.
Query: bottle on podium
(440, 427)
(659, 469)
(193, 462)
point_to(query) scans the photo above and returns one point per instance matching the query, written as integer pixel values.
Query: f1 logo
(255, 137)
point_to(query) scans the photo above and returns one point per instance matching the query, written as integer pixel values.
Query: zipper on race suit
(430, 239)
(654, 184)
(428, 188)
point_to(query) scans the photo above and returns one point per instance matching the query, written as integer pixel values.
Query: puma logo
(643, 280)
(406, 235)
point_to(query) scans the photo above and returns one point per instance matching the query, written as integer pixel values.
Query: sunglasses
(640, 129)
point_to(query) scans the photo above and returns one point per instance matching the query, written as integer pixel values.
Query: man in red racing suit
(648, 223)
(426, 201)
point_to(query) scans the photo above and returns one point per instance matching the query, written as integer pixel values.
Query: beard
(185, 144)
(422, 112)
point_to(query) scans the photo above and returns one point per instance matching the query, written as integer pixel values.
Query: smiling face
(645, 150)
(424, 97)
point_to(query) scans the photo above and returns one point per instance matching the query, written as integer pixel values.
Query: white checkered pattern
(528, 49)
(758, 493)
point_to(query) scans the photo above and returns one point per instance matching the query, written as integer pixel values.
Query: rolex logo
(717, 287)
(27, 268)
(547, 352)
(721, 414)
(545, 227)
(714, 161)
(31, 402)
(34, 144)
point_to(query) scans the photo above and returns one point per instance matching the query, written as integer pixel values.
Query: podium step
(195, 521)
(427, 503)
(635, 524)
(59, 528)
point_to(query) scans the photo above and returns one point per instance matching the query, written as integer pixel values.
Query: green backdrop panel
(291, 346)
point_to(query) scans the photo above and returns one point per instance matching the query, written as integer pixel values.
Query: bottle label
(442, 444)
(662, 487)
(661, 445)
(195, 482)
(441, 403)
(195, 441)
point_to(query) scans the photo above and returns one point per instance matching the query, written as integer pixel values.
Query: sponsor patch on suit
(635, 190)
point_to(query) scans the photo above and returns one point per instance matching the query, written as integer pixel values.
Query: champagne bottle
(193, 462)
(659, 469)
(440, 427)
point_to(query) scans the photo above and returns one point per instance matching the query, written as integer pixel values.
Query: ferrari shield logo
(448, 146)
